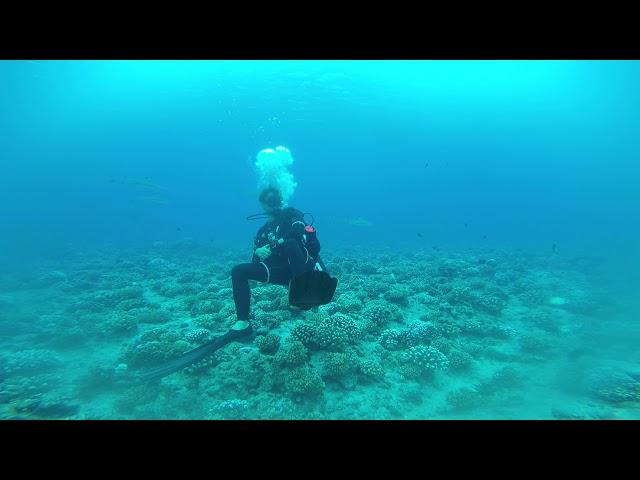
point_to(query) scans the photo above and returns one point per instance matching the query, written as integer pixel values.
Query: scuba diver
(286, 252)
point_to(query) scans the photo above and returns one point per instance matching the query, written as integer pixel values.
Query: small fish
(420, 235)
(359, 222)
(484, 237)
(145, 183)
(465, 225)
(553, 248)
(426, 165)
(179, 229)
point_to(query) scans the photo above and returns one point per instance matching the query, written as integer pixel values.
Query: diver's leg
(240, 276)
(296, 256)
(280, 275)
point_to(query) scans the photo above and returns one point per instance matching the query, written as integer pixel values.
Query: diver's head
(271, 200)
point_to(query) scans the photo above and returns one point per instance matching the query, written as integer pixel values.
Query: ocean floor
(410, 335)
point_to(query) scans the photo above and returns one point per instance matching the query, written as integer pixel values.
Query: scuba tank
(310, 238)
(310, 233)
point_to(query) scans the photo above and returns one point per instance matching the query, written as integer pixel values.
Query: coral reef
(491, 318)
(234, 409)
(292, 353)
(371, 369)
(533, 343)
(151, 315)
(134, 397)
(29, 362)
(198, 336)
(459, 361)
(336, 332)
(419, 361)
(398, 294)
(505, 378)
(60, 332)
(581, 412)
(304, 333)
(337, 365)
(393, 339)
(613, 386)
(349, 303)
(115, 324)
(268, 344)
(48, 406)
(303, 382)
(20, 387)
(154, 347)
(379, 314)
(465, 398)
(418, 333)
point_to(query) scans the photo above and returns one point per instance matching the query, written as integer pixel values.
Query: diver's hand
(263, 252)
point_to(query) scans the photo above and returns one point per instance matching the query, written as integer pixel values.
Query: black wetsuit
(289, 257)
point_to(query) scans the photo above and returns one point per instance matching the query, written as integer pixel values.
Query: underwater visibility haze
(481, 218)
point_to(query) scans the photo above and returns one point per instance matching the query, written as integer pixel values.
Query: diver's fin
(192, 356)
(311, 289)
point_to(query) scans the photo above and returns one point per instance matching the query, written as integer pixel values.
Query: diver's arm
(258, 241)
(293, 230)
